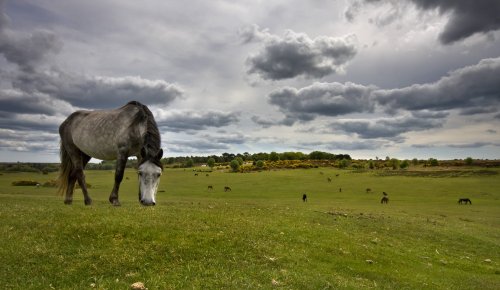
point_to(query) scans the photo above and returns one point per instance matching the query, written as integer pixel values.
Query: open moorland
(258, 235)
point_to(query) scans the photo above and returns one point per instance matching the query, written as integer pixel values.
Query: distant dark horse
(304, 197)
(464, 201)
(384, 199)
(111, 135)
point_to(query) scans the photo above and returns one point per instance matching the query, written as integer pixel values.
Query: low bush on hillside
(24, 183)
(50, 183)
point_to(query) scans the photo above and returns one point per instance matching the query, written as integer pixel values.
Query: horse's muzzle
(147, 203)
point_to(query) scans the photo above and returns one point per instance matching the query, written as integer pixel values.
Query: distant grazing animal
(340, 189)
(111, 135)
(227, 188)
(196, 174)
(304, 197)
(368, 190)
(210, 187)
(329, 179)
(321, 172)
(337, 175)
(384, 199)
(207, 175)
(464, 201)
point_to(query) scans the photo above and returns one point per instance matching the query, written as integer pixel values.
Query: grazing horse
(368, 190)
(304, 197)
(227, 188)
(210, 187)
(329, 179)
(384, 199)
(111, 135)
(464, 201)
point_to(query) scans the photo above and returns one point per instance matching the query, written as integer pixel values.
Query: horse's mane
(152, 138)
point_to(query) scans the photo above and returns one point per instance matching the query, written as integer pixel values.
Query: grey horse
(111, 135)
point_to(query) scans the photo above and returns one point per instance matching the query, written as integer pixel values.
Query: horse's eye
(140, 173)
(158, 174)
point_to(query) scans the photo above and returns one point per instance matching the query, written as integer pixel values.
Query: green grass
(259, 235)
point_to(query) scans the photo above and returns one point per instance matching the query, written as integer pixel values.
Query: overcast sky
(370, 78)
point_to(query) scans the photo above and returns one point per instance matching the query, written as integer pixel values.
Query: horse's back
(102, 134)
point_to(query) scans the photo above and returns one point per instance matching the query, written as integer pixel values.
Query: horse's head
(149, 171)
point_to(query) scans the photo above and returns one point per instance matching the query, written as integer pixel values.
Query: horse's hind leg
(71, 187)
(81, 179)
(79, 160)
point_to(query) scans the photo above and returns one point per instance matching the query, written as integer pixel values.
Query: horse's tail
(64, 170)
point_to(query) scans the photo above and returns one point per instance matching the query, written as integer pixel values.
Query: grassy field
(259, 235)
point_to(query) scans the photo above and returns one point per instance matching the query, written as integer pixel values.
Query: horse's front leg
(121, 162)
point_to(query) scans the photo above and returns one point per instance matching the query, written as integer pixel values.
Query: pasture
(259, 235)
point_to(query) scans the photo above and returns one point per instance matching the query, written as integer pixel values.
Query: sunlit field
(258, 235)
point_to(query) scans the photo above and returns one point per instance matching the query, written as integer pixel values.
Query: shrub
(259, 164)
(24, 183)
(235, 165)
(211, 162)
(50, 183)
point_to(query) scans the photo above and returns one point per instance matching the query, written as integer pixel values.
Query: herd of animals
(384, 200)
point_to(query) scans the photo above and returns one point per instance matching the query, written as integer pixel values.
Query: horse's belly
(96, 149)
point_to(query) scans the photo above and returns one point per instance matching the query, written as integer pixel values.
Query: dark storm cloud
(266, 123)
(475, 86)
(96, 91)
(296, 54)
(180, 121)
(13, 101)
(199, 145)
(385, 128)
(30, 122)
(29, 52)
(322, 99)
(236, 138)
(24, 141)
(466, 17)
(346, 145)
(26, 51)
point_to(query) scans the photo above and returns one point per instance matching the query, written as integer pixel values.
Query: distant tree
(405, 164)
(259, 164)
(433, 162)
(235, 165)
(211, 162)
(414, 161)
(189, 162)
(469, 161)
(371, 165)
(274, 156)
(394, 163)
(240, 160)
(344, 163)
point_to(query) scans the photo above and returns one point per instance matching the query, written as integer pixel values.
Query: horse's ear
(159, 154)
(143, 153)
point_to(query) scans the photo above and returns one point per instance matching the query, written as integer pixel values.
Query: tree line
(189, 161)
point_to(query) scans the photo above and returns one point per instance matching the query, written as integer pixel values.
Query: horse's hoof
(68, 202)
(88, 202)
(116, 203)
